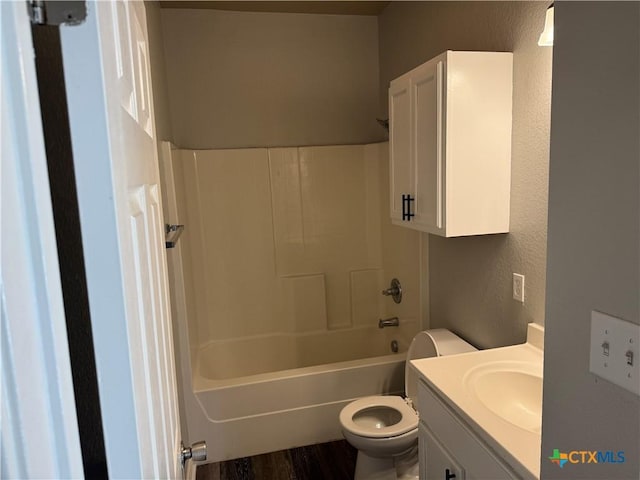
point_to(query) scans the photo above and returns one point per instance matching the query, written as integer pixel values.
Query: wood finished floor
(330, 461)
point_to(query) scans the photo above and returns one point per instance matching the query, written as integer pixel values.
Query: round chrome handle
(196, 452)
(395, 290)
(199, 451)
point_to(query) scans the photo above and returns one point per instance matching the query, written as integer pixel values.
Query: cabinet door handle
(406, 207)
(449, 475)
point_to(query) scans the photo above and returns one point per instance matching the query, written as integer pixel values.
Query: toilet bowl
(384, 429)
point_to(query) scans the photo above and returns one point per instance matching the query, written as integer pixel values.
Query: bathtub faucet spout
(388, 322)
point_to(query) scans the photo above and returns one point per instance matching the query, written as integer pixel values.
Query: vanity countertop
(498, 393)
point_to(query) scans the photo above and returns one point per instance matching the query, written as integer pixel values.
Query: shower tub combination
(248, 415)
(279, 381)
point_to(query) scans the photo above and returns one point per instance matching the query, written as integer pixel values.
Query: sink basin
(511, 390)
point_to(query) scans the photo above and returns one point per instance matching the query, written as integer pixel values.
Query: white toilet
(384, 429)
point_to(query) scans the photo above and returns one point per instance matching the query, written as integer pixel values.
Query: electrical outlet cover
(518, 287)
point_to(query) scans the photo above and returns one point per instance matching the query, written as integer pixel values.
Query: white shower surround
(253, 413)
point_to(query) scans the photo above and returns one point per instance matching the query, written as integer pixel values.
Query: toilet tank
(426, 344)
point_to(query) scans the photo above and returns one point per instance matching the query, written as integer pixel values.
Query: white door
(38, 425)
(106, 65)
(400, 158)
(428, 174)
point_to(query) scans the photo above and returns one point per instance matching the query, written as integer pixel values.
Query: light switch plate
(615, 355)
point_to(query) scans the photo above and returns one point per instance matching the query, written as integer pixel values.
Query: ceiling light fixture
(546, 37)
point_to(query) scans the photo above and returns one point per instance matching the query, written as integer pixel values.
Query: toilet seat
(407, 422)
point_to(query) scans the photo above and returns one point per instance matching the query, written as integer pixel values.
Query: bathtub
(284, 388)
(242, 415)
(248, 356)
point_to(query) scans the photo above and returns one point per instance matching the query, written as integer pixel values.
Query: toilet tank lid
(431, 343)
(446, 342)
(436, 343)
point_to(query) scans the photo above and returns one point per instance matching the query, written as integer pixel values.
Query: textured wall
(594, 231)
(242, 79)
(470, 278)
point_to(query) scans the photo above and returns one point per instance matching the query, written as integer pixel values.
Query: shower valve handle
(394, 291)
(390, 291)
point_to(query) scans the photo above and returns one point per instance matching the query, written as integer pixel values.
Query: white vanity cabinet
(449, 450)
(435, 461)
(450, 144)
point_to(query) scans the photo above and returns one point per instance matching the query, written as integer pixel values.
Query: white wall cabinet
(450, 144)
(448, 449)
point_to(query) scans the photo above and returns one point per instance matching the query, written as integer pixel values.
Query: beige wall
(470, 278)
(242, 79)
(593, 231)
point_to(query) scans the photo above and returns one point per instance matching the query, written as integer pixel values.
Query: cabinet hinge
(57, 12)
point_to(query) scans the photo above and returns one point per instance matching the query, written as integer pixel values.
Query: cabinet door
(428, 169)
(435, 461)
(400, 161)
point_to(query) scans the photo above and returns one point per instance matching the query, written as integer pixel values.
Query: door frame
(38, 414)
(39, 437)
